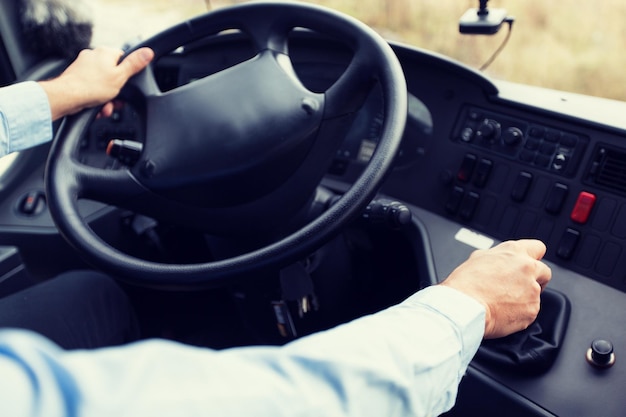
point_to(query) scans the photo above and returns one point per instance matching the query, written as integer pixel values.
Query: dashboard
(481, 161)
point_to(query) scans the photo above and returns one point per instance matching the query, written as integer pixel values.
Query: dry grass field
(574, 45)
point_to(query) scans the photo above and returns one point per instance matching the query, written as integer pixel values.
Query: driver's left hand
(94, 78)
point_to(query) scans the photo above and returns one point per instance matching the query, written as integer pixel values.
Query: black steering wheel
(239, 152)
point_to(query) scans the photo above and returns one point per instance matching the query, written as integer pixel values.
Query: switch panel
(530, 143)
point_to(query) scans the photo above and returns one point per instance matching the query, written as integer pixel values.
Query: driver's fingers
(543, 274)
(535, 248)
(106, 111)
(136, 61)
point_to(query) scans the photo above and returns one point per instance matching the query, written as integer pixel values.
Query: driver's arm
(95, 77)
(405, 360)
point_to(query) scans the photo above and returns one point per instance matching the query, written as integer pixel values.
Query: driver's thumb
(136, 61)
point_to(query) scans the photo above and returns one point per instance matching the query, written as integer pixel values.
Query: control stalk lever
(125, 151)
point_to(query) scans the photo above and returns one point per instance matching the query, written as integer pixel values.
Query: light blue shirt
(404, 361)
(25, 119)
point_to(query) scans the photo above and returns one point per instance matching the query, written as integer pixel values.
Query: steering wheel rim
(67, 180)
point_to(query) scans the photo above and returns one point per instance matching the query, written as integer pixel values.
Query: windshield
(573, 46)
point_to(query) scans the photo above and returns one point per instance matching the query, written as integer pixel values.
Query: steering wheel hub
(219, 150)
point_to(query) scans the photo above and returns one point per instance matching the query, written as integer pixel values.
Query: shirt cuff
(27, 117)
(466, 314)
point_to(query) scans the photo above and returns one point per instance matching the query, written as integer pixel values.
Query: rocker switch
(557, 198)
(454, 201)
(467, 168)
(468, 206)
(482, 172)
(568, 243)
(521, 186)
(32, 203)
(582, 208)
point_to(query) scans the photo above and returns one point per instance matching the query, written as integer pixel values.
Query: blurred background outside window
(574, 45)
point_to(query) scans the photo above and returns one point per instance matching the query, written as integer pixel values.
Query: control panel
(533, 144)
(511, 177)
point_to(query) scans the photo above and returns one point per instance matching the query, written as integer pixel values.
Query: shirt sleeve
(25, 118)
(404, 361)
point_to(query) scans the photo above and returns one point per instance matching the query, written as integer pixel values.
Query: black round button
(512, 136)
(601, 353)
(489, 130)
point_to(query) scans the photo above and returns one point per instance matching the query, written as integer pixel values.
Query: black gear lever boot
(532, 351)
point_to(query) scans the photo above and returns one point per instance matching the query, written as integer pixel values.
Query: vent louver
(609, 169)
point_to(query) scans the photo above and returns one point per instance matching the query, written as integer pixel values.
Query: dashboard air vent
(609, 169)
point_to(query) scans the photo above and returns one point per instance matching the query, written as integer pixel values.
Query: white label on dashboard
(473, 239)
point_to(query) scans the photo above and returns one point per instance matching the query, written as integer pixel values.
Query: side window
(6, 162)
(6, 72)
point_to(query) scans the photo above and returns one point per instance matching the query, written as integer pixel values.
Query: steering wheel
(239, 152)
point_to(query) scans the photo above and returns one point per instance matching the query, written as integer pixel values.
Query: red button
(583, 206)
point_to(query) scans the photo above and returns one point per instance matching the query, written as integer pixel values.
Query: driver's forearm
(406, 360)
(63, 97)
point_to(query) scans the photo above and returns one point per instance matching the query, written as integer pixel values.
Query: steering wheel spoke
(67, 177)
(109, 186)
(145, 83)
(347, 94)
